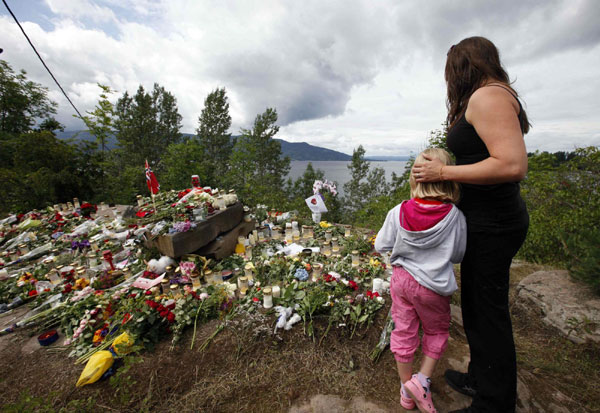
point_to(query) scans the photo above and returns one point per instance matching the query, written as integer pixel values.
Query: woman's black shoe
(460, 382)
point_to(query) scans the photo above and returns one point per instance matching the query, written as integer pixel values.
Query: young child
(426, 235)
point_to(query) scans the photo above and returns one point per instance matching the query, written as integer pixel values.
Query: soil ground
(246, 368)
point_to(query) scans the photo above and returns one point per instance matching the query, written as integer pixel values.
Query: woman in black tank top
(486, 127)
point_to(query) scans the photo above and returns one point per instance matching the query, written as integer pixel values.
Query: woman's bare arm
(493, 113)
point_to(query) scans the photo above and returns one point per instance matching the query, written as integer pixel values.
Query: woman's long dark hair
(469, 64)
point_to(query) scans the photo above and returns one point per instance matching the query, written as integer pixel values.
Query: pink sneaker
(406, 402)
(420, 395)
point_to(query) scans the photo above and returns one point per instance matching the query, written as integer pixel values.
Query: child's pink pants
(411, 303)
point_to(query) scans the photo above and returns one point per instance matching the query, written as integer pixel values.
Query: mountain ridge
(297, 151)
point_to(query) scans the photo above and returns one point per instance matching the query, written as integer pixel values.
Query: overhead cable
(40, 57)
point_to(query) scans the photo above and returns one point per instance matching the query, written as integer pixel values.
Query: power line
(40, 57)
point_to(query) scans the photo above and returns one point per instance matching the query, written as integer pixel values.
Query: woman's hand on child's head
(428, 171)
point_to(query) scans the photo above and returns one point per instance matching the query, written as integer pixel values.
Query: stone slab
(569, 306)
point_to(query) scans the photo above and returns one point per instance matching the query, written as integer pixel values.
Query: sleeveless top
(495, 207)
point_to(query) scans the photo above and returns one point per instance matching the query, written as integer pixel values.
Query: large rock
(569, 306)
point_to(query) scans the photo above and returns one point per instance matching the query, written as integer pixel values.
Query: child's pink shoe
(420, 395)
(406, 402)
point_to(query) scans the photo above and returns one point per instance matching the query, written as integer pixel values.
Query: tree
(22, 102)
(258, 169)
(215, 141)
(180, 162)
(145, 125)
(365, 184)
(100, 121)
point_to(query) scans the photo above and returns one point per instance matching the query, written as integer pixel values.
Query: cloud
(339, 73)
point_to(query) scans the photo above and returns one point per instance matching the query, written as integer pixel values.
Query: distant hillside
(302, 151)
(387, 158)
(297, 151)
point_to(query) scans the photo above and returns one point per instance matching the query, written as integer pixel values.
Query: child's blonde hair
(443, 190)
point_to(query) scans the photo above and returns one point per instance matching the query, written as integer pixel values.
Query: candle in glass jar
(243, 283)
(175, 291)
(53, 277)
(82, 273)
(49, 262)
(208, 276)
(276, 234)
(317, 269)
(328, 234)
(248, 271)
(76, 203)
(140, 200)
(347, 232)
(195, 281)
(276, 291)
(23, 249)
(335, 246)
(164, 285)
(92, 260)
(217, 277)
(267, 297)
(355, 258)
(326, 249)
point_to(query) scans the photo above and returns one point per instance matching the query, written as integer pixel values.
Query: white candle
(276, 291)
(267, 298)
(377, 285)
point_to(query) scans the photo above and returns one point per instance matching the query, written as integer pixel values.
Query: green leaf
(300, 295)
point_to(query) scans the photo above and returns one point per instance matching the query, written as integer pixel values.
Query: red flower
(67, 289)
(161, 308)
(126, 318)
(32, 293)
(133, 295)
(171, 317)
(171, 306)
(255, 299)
(148, 292)
(353, 285)
(164, 313)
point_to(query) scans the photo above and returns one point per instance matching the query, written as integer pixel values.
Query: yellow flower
(374, 262)
(324, 224)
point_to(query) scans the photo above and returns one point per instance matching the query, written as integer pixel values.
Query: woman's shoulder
(492, 97)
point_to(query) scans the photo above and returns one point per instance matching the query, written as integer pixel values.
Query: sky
(340, 73)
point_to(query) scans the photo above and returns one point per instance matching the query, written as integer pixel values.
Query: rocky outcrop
(567, 305)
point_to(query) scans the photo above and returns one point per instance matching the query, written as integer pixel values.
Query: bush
(563, 201)
(583, 250)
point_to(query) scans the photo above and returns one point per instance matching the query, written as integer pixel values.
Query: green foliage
(365, 185)
(583, 251)
(40, 170)
(146, 124)
(562, 201)
(180, 162)
(215, 141)
(257, 166)
(23, 101)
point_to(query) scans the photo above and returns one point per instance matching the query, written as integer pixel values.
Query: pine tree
(214, 137)
(258, 169)
(146, 124)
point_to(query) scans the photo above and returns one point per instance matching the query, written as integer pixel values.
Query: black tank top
(494, 207)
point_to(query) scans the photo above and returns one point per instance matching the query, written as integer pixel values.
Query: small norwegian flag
(151, 181)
